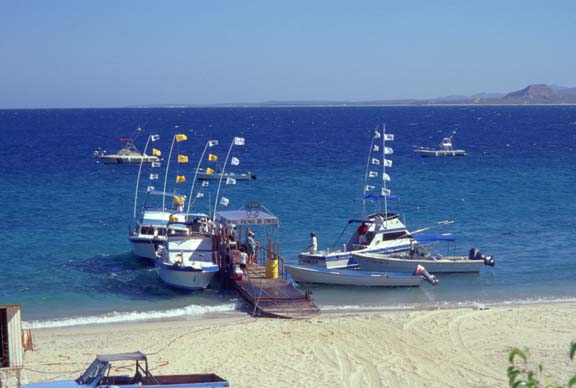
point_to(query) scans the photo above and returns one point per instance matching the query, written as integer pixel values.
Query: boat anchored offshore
(205, 174)
(445, 148)
(128, 154)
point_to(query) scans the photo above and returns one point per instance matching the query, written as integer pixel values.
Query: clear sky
(107, 53)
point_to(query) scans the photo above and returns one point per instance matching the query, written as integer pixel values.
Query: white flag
(389, 137)
(230, 181)
(376, 161)
(239, 141)
(200, 195)
(377, 134)
(156, 164)
(385, 177)
(235, 161)
(205, 183)
(388, 151)
(387, 163)
(368, 188)
(376, 148)
(212, 143)
(224, 201)
(150, 188)
(154, 137)
(373, 174)
(153, 177)
(385, 191)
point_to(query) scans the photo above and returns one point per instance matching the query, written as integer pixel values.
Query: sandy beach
(430, 348)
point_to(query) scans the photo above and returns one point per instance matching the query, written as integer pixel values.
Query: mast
(209, 143)
(152, 138)
(367, 172)
(176, 139)
(236, 141)
(384, 189)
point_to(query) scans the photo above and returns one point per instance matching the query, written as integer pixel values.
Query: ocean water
(66, 258)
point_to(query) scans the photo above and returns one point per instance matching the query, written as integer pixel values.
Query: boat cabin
(376, 229)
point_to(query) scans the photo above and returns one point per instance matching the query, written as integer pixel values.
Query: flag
(180, 179)
(209, 171)
(154, 137)
(388, 151)
(212, 157)
(234, 161)
(179, 199)
(376, 161)
(205, 183)
(156, 164)
(150, 188)
(212, 143)
(224, 201)
(230, 181)
(388, 137)
(153, 177)
(368, 188)
(387, 163)
(156, 152)
(200, 195)
(385, 177)
(376, 148)
(373, 174)
(181, 137)
(386, 191)
(182, 159)
(239, 141)
(377, 134)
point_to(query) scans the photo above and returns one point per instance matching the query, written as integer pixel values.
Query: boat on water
(445, 148)
(128, 154)
(204, 175)
(185, 258)
(355, 277)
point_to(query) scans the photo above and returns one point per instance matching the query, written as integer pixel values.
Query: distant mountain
(535, 93)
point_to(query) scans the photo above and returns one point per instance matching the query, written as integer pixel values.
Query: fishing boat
(185, 258)
(205, 174)
(128, 154)
(355, 277)
(445, 148)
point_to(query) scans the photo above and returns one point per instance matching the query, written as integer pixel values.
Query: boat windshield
(92, 373)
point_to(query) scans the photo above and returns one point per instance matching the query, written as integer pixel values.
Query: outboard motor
(421, 271)
(475, 254)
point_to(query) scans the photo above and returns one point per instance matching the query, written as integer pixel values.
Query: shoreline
(436, 347)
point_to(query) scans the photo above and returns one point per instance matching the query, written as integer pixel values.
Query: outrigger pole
(209, 143)
(366, 174)
(235, 141)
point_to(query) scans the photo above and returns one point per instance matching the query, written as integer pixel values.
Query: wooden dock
(274, 298)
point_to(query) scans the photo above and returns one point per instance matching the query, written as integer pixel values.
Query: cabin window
(394, 235)
(4, 360)
(147, 230)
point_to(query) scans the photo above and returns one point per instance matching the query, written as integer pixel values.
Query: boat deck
(275, 298)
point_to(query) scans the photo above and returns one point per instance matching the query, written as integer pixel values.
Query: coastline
(448, 347)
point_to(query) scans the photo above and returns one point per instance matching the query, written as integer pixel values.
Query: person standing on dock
(313, 247)
(251, 248)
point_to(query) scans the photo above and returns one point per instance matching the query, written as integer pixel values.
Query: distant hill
(535, 93)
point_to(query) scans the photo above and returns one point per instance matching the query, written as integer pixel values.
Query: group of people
(243, 254)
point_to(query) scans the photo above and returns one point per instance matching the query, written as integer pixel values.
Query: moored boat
(445, 148)
(205, 174)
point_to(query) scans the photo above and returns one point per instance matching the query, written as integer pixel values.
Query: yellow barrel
(272, 268)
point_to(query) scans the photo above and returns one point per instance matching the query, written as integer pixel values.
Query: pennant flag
(386, 177)
(153, 177)
(388, 151)
(154, 137)
(377, 134)
(181, 137)
(368, 188)
(180, 179)
(388, 137)
(209, 171)
(182, 159)
(386, 191)
(239, 141)
(156, 164)
(376, 161)
(373, 174)
(376, 148)
(156, 152)
(205, 183)
(224, 201)
(387, 163)
(179, 199)
(200, 195)
(212, 143)
(230, 181)
(150, 188)
(212, 157)
(234, 161)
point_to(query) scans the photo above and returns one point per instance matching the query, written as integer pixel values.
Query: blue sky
(120, 53)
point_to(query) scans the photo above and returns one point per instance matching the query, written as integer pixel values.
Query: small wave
(118, 317)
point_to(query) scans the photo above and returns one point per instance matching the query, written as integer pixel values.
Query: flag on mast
(153, 177)
(156, 152)
(368, 188)
(234, 161)
(388, 137)
(373, 174)
(150, 188)
(388, 151)
(376, 148)
(386, 191)
(386, 177)
(182, 159)
(224, 201)
(230, 181)
(200, 195)
(377, 134)
(156, 164)
(181, 137)
(387, 163)
(180, 179)
(212, 157)
(209, 171)
(376, 161)
(212, 143)
(154, 137)
(239, 141)
(205, 183)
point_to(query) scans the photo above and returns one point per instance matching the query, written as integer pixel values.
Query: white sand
(439, 348)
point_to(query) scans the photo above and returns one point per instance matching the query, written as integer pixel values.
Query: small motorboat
(126, 155)
(445, 148)
(205, 175)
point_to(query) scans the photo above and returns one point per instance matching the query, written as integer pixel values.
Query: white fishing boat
(128, 154)
(185, 259)
(205, 174)
(354, 277)
(445, 148)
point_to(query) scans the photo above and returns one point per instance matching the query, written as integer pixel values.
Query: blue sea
(66, 259)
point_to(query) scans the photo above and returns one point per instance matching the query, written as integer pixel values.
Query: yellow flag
(156, 152)
(182, 159)
(181, 137)
(180, 179)
(209, 171)
(178, 200)
(212, 157)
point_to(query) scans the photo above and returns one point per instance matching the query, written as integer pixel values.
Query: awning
(433, 237)
(243, 217)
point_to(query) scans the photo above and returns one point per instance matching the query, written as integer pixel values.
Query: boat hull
(186, 278)
(316, 275)
(339, 259)
(145, 247)
(123, 159)
(428, 153)
(387, 263)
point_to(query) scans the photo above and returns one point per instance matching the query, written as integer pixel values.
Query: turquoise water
(65, 250)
